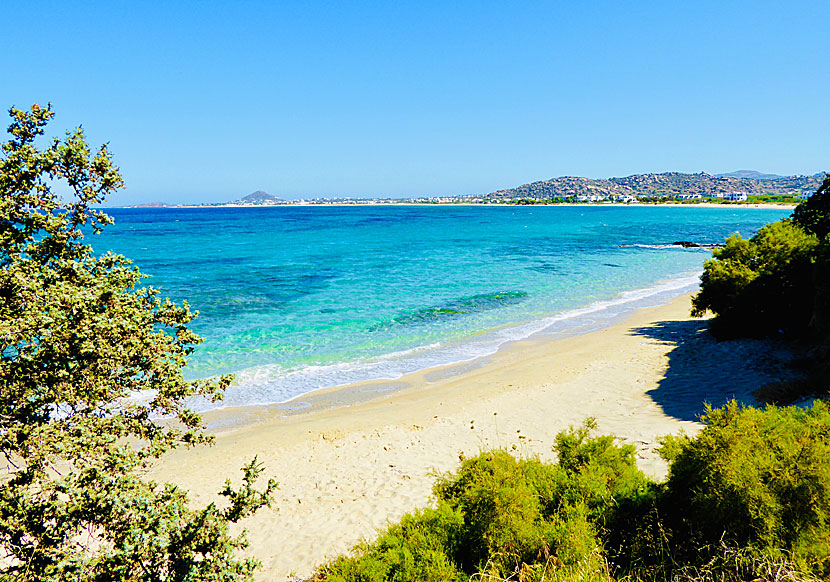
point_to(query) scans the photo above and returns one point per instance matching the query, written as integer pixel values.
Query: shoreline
(347, 471)
(362, 381)
(768, 205)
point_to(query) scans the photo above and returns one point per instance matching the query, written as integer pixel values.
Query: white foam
(273, 384)
(669, 246)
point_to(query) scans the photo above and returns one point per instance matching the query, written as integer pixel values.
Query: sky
(209, 101)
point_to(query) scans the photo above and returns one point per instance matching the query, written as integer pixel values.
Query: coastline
(362, 380)
(372, 204)
(348, 469)
(283, 279)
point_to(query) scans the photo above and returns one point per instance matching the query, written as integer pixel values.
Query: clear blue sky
(208, 101)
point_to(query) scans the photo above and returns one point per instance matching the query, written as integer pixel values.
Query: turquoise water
(292, 299)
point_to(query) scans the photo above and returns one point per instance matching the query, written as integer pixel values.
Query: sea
(292, 299)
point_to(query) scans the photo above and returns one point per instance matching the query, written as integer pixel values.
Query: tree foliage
(757, 287)
(813, 215)
(80, 335)
(778, 281)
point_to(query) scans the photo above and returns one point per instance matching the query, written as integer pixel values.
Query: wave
(684, 245)
(273, 384)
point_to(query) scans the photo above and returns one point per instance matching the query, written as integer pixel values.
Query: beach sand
(347, 471)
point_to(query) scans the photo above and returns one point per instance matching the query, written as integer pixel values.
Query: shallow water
(292, 299)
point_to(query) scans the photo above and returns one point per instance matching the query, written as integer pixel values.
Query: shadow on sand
(704, 370)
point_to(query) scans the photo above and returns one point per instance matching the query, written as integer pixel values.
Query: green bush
(419, 548)
(754, 478)
(522, 511)
(777, 283)
(504, 516)
(761, 286)
(747, 499)
(813, 215)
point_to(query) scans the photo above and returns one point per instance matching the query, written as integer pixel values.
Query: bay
(294, 298)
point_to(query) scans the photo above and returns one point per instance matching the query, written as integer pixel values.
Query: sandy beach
(347, 466)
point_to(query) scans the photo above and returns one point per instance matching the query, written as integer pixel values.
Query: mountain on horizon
(751, 174)
(259, 197)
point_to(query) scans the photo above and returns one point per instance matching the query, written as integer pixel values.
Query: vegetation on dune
(79, 335)
(499, 515)
(755, 478)
(747, 499)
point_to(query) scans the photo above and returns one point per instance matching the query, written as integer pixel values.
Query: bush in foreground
(758, 479)
(746, 499)
(500, 516)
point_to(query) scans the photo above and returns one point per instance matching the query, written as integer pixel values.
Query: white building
(736, 197)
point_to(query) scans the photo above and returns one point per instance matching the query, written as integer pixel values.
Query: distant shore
(347, 469)
(373, 204)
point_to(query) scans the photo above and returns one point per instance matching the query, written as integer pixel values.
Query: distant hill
(152, 205)
(751, 174)
(259, 198)
(665, 185)
(144, 205)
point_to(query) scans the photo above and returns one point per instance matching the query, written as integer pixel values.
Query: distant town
(744, 186)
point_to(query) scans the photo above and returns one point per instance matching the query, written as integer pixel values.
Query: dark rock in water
(687, 244)
(684, 244)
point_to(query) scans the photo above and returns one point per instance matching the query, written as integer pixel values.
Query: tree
(761, 286)
(79, 336)
(813, 215)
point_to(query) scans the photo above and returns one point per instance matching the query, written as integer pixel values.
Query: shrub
(761, 286)
(754, 478)
(813, 215)
(419, 548)
(501, 516)
(747, 499)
